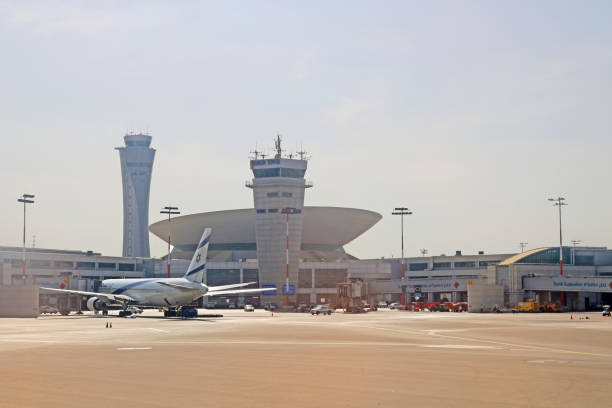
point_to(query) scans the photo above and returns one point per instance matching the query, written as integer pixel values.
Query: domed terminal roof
(324, 228)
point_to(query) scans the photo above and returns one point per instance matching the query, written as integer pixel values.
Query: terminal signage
(268, 292)
(291, 289)
(568, 284)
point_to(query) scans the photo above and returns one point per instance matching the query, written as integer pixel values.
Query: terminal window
(272, 194)
(86, 265)
(418, 266)
(261, 211)
(287, 194)
(273, 210)
(266, 173)
(442, 265)
(107, 265)
(467, 264)
(293, 173)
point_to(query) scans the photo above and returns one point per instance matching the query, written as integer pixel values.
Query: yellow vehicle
(528, 306)
(550, 307)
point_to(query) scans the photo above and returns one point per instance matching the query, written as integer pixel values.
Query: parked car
(394, 305)
(249, 308)
(382, 304)
(321, 309)
(134, 309)
(48, 309)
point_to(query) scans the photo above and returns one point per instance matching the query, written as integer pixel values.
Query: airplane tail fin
(195, 272)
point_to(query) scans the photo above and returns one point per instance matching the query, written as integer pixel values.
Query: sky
(470, 113)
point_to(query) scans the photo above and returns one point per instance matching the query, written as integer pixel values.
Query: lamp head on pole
(170, 210)
(26, 198)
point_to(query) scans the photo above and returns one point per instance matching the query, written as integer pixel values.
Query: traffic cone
(571, 317)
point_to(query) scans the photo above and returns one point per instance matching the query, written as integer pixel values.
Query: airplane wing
(224, 287)
(176, 286)
(237, 291)
(107, 297)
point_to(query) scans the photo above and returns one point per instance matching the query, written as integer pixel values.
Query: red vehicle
(460, 307)
(416, 306)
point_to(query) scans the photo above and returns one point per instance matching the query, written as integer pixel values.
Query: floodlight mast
(523, 245)
(401, 211)
(170, 211)
(25, 199)
(559, 202)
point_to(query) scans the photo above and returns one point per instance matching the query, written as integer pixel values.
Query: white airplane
(161, 292)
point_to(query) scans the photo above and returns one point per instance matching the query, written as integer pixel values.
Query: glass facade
(250, 275)
(418, 266)
(218, 277)
(584, 260)
(126, 267)
(465, 264)
(327, 278)
(442, 265)
(548, 256)
(305, 278)
(278, 172)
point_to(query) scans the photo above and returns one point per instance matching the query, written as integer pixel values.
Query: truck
(528, 306)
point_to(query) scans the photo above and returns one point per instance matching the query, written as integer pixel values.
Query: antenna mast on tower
(277, 146)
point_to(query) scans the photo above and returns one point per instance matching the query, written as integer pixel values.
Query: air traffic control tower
(278, 193)
(136, 166)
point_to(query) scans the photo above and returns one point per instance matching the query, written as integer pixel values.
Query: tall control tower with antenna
(278, 193)
(136, 166)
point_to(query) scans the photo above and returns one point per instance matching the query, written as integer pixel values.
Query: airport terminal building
(533, 275)
(280, 241)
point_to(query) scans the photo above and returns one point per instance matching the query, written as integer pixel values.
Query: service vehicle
(48, 309)
(189, 312)
(528, 306)
(249, 308)
(606, 310)
(382, 304)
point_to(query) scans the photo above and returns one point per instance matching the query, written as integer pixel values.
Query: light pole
(523, 245)
(287, 211)
(559, 202)
(25, 199)
(401, 211)
(170, 211)
(574, 242)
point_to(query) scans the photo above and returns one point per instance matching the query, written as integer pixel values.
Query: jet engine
(95, 305)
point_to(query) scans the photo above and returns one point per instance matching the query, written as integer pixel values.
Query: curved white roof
(322, 226)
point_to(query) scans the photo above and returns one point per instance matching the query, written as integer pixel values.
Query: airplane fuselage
(153, 292)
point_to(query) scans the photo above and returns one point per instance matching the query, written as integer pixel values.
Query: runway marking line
(133, 348)
(501, 343)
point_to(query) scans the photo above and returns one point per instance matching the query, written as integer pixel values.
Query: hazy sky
(470, 113)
